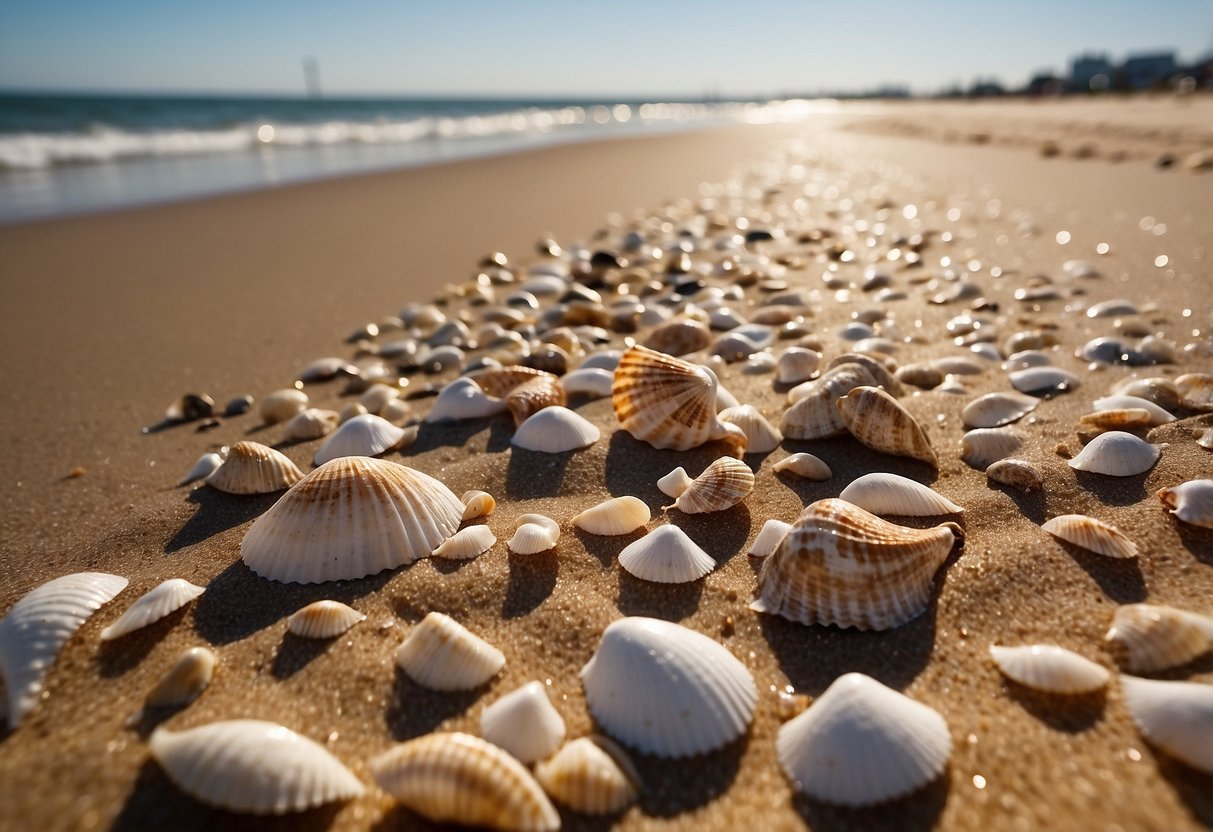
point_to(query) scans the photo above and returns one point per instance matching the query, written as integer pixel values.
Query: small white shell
(1191, 502)
(282, 405)
(463, 399)
(467, 543)
(524, 723)
(442, 654)
(534, 533)
(996, 409)
(589, 381)
(619, 515)
(762, 436)
(184, 681)
(666, 555)
(245, 765)
(169, 596)
(722, 485)
(1043, 379)
(1089, 533)
(1050, 669)
(1116, 454)
(982, 447)
(310, 423)
(1175, 716)
(206, 465)
(804, 465)
(323, 619)
(378, 397)
(477, 504)
(1158, 638)
(675, 483)
(797, 364)
(555, 430)
(590, 775)
(882, 493)
(367, 435)
(769, 537)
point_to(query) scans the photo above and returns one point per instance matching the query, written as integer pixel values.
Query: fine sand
(106, 319)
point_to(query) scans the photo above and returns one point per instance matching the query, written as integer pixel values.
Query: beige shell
(879, 367)
(996, 409)
(1092, 534)
(282, 405)
(1175, 716)
(882, 493)
(588, 381)
(1043, 380)
(463, 399)
(311, 423)
(442, 654)
(556, 430)
(1196, 391)
(842, 565)
(1191, 502)
(253, 468)
(814, 413)
(1156, 638)
(185, 680)
(458, 778)
(761, 436)
(804, 465)
(1017, 473)
(722, 485)
(666, 555)
(376, 399)
(619, 515)
(524, 723)
(877, 420)
(323, 619)
(769, 537)
(366, 435)
(477, 504)
(350, 411)
(466, 544)
(1050, 669)
(532, 396)
(498, 382)
(206, 465)
(982, 447)
(165, 598)
(590, 775)
(1158, 416)
(534, 533)
(1128, 417)
(797, 365)
(1203, 436)
(675, 483)
(679, 337)
(1116, 454)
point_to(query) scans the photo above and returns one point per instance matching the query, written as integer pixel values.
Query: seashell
(185, 680)
(1161, 391)
(722, 485)
(1017, 473)
(466, 544)
(1196, 391)
(669, 403)
(667, 690)
(761, 436)
(734, 346)
(323, 619)
(1109, 351)
(877, 420)
(1112, 309)
(1158, 416)
(1091, 534)
(206, 465)
(463, 399)
(996, 409)
(878, 367)
(588, 381)
(367, 435)
(1027, 358)
(796, 365)
(350, 518)
(619, 515)
(253, 468)
(1204, 438)
(1175, 716)
(1116, 454)
(1156, 638)
(323, 369)
(168, 597)
(310, 423)
(1191, 502)
(666, 555)
(189, 407)
(524, 723)
(982, 447)
(844, 566)
(532, 396)
(477, 504)
(458, 778)
(282, 405)
(441, 654)
(1132, 418)
(769, 537)
(534, 533)
(246, 765)
(862, 743)
(923, 376)
(590, 775)
(602, 360)
(953, 386)
(37, 627)
(804, 465)
(675, 483)
(555, 430)
(378, 397)
(955, 365)
(1043, 380)
(350, 411)
(679, 336)
(882, 493)
(1049, 669)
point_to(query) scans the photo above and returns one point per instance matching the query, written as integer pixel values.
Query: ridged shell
(1191, 502)
(1158, 638)
(442, 654)
(524, 723)
(367, 435)
(282, 405)
(311, 423)
(556, 430)
(722, 485)
(1050, 669)
(499, 381)
(675, 483)
(1043, 380)
(804, 465)
(797, 365)
(842, 565)
(37, 627)
(467, 543)
(862, 743)
(477, 504)
(588, 381)
(1129, 417)
(323, 619)
(996, 409)
(463, 399)
(814, 413)
(1175, 716)
(350, 518)
(184, 681)
(169, 596)
(761, 436)
(1094, 535)
(458, 778)
(1116, 454)
(206, 465)
(982, 447)
(1204, 438)
(253, 468)
(534, 533)
(666, 555)
(679, 337)
(667, 690)
(879, 421)
(246, 765)
(533, 396)
(769, 537)
(619, 515)
(878, 367)
(882, 493)
(1017, 473)
(590, 775)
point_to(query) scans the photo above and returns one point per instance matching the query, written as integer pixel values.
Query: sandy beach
(106, 319)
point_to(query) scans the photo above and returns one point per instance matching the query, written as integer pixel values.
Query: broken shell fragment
(467, 543)
(769, 537)
(367, 435)
(996, 409)
(804, 465)
(310, 423)
(524, 723)
(590, 775)
(1156, 638)
(185, 680)
(1091, 534)
(722, 485)
(1116, 454)
(1049, 669)
(206, 465)
(666, 555)
(477, 504)
(619, 515)
(1175, 716)
(982, 447)
(879, 421)
(555, 430)
(761, 436)
(1191, 502)
(1017, 473)
(253, 468)
(323, 619)
(441, 654)
(534, 533)
(167, 597)
(282, 405)
(882, 493)
(675, 483)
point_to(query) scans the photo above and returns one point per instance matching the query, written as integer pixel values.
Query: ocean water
(68, 154)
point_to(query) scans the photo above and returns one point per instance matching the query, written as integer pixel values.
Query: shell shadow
(1192, 786)
(633, 467)
(431, 435)
(295, 653)
(809, 491)
(1119, 578)
(120, 655)
(919, 810)
(672, 787)
(1070, 713)
(673, 602)
(531, 475)
(1197, 540)
(417, 710)
(217, 512)
(606, 549)
(1031, 504)
(1113, 491)
(722, 534)
(532, 579)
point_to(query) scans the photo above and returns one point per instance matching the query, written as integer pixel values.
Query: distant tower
(311, 77)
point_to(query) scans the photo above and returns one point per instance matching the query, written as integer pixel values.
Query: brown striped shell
(1153, 638)
(679, 337)
(877, 420)
(814, 413)
(590, 775)
(498, 382)
(532, 396)
(253, 468)
(722, 485)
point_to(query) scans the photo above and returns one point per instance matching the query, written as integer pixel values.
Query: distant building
(1045, 83)
(1090, 72)
(1141, 72)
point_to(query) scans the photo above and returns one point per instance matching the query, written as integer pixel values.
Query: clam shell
(722, 485)
(842, 565)
(602, 360)
(462, 779)
(1160, 391)
(1158, 638)
(350, 518)
(442, 654)
(619, 515)
(467, 543)
(477, 504)
(323, 619)
(206, 465)
(996, 409)
(245, 765)
(769, 537)
(1049, 669)
(1017, 473)
(169, 596)
(524, 723)
(463, 399)
(253, 468)
(982, 447)
(1175, 716)
(367, 435)
(498, 382)
(797, 365)
(666, 555)
(1116, 454)
(555, 430)
(761, 436)
(679, 337)
(1191, 502)
(310, 423)
(184, 681)
(1129, 417)
(1094, 535)
(877, 420)
(377, 399)
(532, 396)
(534, 533)
(1196, 391)
(282, 405)
(814, 413)
(880, 368)
(667, 690)
(37, 627)
(588, 381)
(590, 775)
(675, 483)
(323, 369)
(350, 411)
(1043, 380)
(862, 743)
(804, 465)
(882, 493)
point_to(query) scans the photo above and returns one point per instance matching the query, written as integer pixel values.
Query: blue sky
(622, 47)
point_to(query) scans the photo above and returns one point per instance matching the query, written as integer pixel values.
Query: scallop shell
(1049, 669)
(245, 765)
(1094, 535)
(722, 485)
(1116, 454)
(842, 565)
(804, 465)
(1043, 380)
(814, 413)
(619, 515)
(1129, 417)
(533, 396)
(498, 382)
(534, 533)
(667, 690)
(463, 399)
(555, 430)
(1017, 473)
(185, 680)
(1175, 716)
(882, 493)
(588, 381)
(206, 465)
(996, 409)
(761, 436)
(524, 723)
(282, 405)
(666, 555)
(37, 627)
(679, 337)
(797, 365)
(467, 543)
(368, 435)
(1191, 502)
(310, 423)
(862, 743)
(252, 468)
(1158, 638)
(982, 447)
(462, 779)
(169, 596)
(769, 537)
(877, 420)
(442, 654)
(675, 483)
(590, 775)
(669, 403)
(323, 619)
(350, 518)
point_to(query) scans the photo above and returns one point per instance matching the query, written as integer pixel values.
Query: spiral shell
(1094, 535)
(442, 654)
(590, 775)
(722, 485)
(366, 435)
(1050, 669)
(619, 515)
(877, 420)
(532, 396)
(253, 468)
(167, 597)
(477, 504)
(323, 619)
(1157, 638)
(1191, 502)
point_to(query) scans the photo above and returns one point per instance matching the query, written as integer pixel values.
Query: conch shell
(877, 420)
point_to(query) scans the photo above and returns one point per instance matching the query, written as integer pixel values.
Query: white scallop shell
(477, 504)
(667, 690)
(442, 654)
(310, 423)
(1050, 669)
(1158, 638)
(467, 543)
(246, 765)
(762, 436)
(769, 537)
(555, 430)
(184, 681)
(982, 447)
(206, 465)
(996, 409)
(1191, 502)
(1158, 416)
(169, 596)
(1090, 533)
(675, 483)
(366, 435)
(323, 619)
(253, 468)
(619, 515)
(589, 381)
(590, 775)
(666, 555)
(1043, 379)
(862, 743)
(524, 723)
(38, 625)
(1175, 716)
(463, 399)
(804, 465)
(534, 533)
(1116, 454)
(882, 493)
(282, 405)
